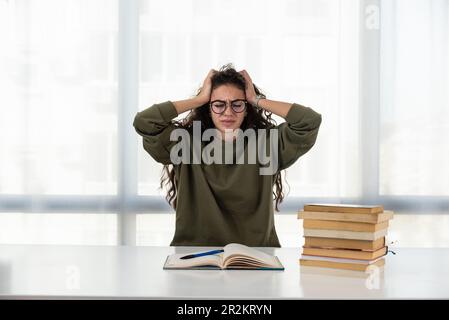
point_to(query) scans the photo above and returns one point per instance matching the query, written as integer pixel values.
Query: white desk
(36, 271)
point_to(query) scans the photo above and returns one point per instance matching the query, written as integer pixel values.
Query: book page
(244, 254)
(175, 261)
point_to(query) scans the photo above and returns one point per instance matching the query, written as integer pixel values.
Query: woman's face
(229, 119)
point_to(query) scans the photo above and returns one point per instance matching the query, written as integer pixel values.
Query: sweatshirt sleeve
(297, 134)
(155, 125)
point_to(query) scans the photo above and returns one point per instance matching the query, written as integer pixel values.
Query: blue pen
(195, 255)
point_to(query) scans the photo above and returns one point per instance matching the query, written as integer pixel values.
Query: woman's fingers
(245, 74)
(250, 92)
(211, 72)
(209, 76)
(207, 84)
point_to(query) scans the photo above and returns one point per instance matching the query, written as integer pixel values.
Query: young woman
(220, 203)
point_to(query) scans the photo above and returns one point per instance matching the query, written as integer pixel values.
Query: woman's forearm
(279, 108)
(188, 104)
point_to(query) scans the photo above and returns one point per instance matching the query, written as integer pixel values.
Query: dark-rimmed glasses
(219, 106)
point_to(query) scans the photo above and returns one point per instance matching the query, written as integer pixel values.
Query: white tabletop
(38, 271)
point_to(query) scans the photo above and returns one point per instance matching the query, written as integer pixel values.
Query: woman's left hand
(249, 92)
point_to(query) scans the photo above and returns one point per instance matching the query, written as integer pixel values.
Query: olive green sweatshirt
(222, 203)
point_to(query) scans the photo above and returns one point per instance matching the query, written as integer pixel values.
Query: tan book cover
(346, 253)
(342, 225)
(348, 217)
(343, 208)
(343, 234)
(340, 263)
(333, 243)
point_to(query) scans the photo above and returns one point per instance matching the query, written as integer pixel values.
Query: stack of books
(341, 236)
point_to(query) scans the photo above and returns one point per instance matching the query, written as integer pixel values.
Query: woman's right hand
(202, 98)
(204, 95)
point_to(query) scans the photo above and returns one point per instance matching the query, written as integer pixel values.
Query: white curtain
(414, 140)
(72, 169)
(58, 121)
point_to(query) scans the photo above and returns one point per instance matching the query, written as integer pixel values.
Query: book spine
(344, 234)
(342, 225)
(334, 243)
(342, 209)
(337, 265)
(365, 218)
(347, 254)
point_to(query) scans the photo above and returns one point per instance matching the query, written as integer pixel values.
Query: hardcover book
(235, 256)
(344, 208)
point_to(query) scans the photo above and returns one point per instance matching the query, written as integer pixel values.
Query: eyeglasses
(219, 106)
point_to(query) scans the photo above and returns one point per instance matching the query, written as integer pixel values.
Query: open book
(235, 256)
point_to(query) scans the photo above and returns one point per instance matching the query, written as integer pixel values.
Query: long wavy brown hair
(256, 118)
